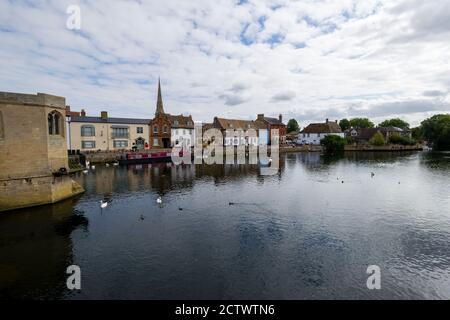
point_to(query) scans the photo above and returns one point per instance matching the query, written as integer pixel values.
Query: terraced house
(104, 133)
(107, 134)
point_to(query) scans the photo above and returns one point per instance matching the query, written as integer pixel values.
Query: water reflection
(36, 248)
(226, 231)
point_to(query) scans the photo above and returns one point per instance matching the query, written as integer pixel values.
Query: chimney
(260, 116)
(336, 121)
(104, 115)
(280, 117)
(327, 120)
(83, 113)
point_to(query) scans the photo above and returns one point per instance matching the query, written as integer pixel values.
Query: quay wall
(33, 160)
(390, 147)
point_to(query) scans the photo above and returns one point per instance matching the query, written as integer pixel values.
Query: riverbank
(391, 147)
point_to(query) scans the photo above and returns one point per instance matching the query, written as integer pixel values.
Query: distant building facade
(104, 133)
(268, 124)
(315, 132)
(33, 151)
(107, 134)
(182, 131)
(364, 135)
(237, 132)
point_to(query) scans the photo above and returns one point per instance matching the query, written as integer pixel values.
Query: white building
(315, 132)
(182, 131)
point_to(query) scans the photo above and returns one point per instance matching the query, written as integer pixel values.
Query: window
(140, 129)
(165, 129)
(155, 142)
(175, 122)
(54, 123)
(176, 132)
(87, 144)
(2, 129)
(155, 129)
(120, 144)
(120, 132)
(87, 131)
(184, 132)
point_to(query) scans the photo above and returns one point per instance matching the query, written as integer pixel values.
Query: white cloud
(313, 59)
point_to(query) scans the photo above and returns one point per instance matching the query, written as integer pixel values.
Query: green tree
(344, 124)
(292, 126)
(377, 139)
(399, 139)
(333, 144)
(437, 131)
(361, 123)
(417, 133)
(397, 122)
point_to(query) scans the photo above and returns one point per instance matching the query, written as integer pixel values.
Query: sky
(309, 59)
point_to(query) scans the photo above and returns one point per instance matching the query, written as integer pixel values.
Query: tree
(344, 124)
(397, 122)
(417, 133)
(377, 139)
(437, 131)
(292, 126)
(399, 139)
(333, 144)
(361, 123)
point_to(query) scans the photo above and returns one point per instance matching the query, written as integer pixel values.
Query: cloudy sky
(306, 59)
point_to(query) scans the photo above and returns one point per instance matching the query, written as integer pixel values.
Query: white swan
(159, 200)
(93, 167)
(103, 204)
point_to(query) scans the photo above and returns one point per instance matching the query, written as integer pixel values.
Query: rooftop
(326, 127)
(110, 120)
(235, 124)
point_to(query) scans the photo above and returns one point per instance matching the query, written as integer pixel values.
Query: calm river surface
(308, 232)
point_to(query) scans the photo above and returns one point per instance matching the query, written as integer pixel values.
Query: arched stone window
(2, 127)
(55, 124)
(87, 131)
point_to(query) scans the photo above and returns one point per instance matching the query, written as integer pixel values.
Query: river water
(227, 232)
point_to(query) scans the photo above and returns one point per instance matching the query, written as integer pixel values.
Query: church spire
(159, 103)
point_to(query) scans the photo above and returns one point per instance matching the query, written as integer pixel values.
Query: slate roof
(110, 120)
(274, 121)
(368, 133)
(326, 127)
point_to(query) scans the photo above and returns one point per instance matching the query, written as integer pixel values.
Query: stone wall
(388, 147)
(29, 155)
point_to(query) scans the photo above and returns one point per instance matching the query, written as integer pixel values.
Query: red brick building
(273, 123)
(160, 125)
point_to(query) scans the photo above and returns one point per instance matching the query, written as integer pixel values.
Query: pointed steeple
(159, 103)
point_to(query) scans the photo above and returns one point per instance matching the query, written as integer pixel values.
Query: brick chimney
(327, 120)
(280, 117)
(104, 115)
(260, 116)
(83, 113)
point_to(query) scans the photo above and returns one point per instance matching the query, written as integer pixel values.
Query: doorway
(166, 142)
(140, 143)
